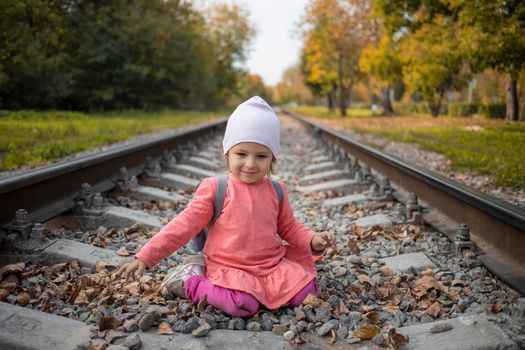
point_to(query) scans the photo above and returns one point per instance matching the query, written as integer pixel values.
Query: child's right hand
(134, 268)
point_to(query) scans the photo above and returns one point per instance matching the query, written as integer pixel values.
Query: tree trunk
(385, 101)
(342, 95)
(330, 101)
(511, 91)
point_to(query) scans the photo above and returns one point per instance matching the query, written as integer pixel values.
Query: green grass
(323, 112)
(30, 138)
(495, 147)
(498, 151)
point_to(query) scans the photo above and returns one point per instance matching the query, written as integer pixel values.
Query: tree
(493, 34)
(337, 31)
(382, 60)
(34, 67)
(292, 88)
(433, 62)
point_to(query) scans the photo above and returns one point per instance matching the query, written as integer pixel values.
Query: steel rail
(497, 227)
(48, 191)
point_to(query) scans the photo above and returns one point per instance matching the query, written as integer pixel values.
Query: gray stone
(468, 332)
(253, 326)
(117, 347)
(116, 214)
(190, 325)
(320, 166)
(146, 322)
(87, 255)
(353, 198)
(204, 163)
(335, 185)
(374, 220)
(202, 330)
(131, 342)
(289, 335)
(325, 175)
(131, 326)
(404, 262)
(22, 328)
(148, 193)
(186, 168)
(327, 327)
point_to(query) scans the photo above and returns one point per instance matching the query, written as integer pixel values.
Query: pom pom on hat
(253, 121)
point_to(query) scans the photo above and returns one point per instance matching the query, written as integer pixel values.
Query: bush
(462, 109)
(493, 111)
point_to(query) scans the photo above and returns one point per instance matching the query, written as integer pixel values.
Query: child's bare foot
(174, 281)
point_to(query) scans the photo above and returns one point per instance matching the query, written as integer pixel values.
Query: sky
(277, 44)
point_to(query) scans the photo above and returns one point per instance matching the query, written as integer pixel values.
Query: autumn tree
(493, 36)
(292, 88)
(336, 31)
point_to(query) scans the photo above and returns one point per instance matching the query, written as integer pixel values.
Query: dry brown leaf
(312, 300)
(299, 313)
(334, 336)
(382, 292)
(107, 323)
(425, 283)
(367, 332)
(201, 305)
(11, 268)
(4, 293)
(434, 309)
(458, 282)
(387, 271)
(496, 308)
(354, 246)
(359, 230)
(365, 279)
(427, 272)
(100, 266)
(23, 298)
(164, 328)
(373, 316)
(123, 251)
(10, 282)
(298, 340)
(390, 308)
(397, 340)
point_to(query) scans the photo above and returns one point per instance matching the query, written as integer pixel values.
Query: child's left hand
(322, 240)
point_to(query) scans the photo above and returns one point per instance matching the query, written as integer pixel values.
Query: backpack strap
(279, 191)
(220, 194)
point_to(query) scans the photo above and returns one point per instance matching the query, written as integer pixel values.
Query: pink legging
(235, 302)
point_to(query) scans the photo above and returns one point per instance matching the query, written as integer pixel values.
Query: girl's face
(249, 162)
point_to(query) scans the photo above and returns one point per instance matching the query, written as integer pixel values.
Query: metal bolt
(400, 211)
(374, 189)
(98, 201)
(412, 205)
(385, 186)
(463, 233)
(20, 217)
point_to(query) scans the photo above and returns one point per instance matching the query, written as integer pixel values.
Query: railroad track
(403, 270)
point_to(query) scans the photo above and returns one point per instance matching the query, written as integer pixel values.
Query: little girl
(246, 263)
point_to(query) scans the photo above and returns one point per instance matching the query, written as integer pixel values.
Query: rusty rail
(497, 227)
(48, 191)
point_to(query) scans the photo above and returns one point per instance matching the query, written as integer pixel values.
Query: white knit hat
(253, 121)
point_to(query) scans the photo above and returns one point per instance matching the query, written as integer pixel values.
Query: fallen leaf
(365, 279)
(164, 328)
(107, 323)
(298, 340)
(397, 340)
(201, 305)
(312, 300)
(354, 246)
(23, 298)
(458, 282)
(11, 268)
(387, 271)
(425, 283)
(496, 308)
(390, 308)
(334, 336)
(366, 332)
(434, 309)
(373, 316)
(299, 313)
(123, 251)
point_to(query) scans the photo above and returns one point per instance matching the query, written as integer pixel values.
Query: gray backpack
(197, 243)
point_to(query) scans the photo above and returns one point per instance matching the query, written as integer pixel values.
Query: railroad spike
(412, 206)
(167, 160)
(87, 203)
(125, 181)
(462, 241)
(152, 168)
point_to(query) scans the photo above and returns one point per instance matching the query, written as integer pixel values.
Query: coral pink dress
(244, 250)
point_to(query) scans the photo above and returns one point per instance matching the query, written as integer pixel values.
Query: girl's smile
(249, 162)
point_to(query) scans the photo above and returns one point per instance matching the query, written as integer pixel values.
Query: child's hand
(322, 240)
(135, 268)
